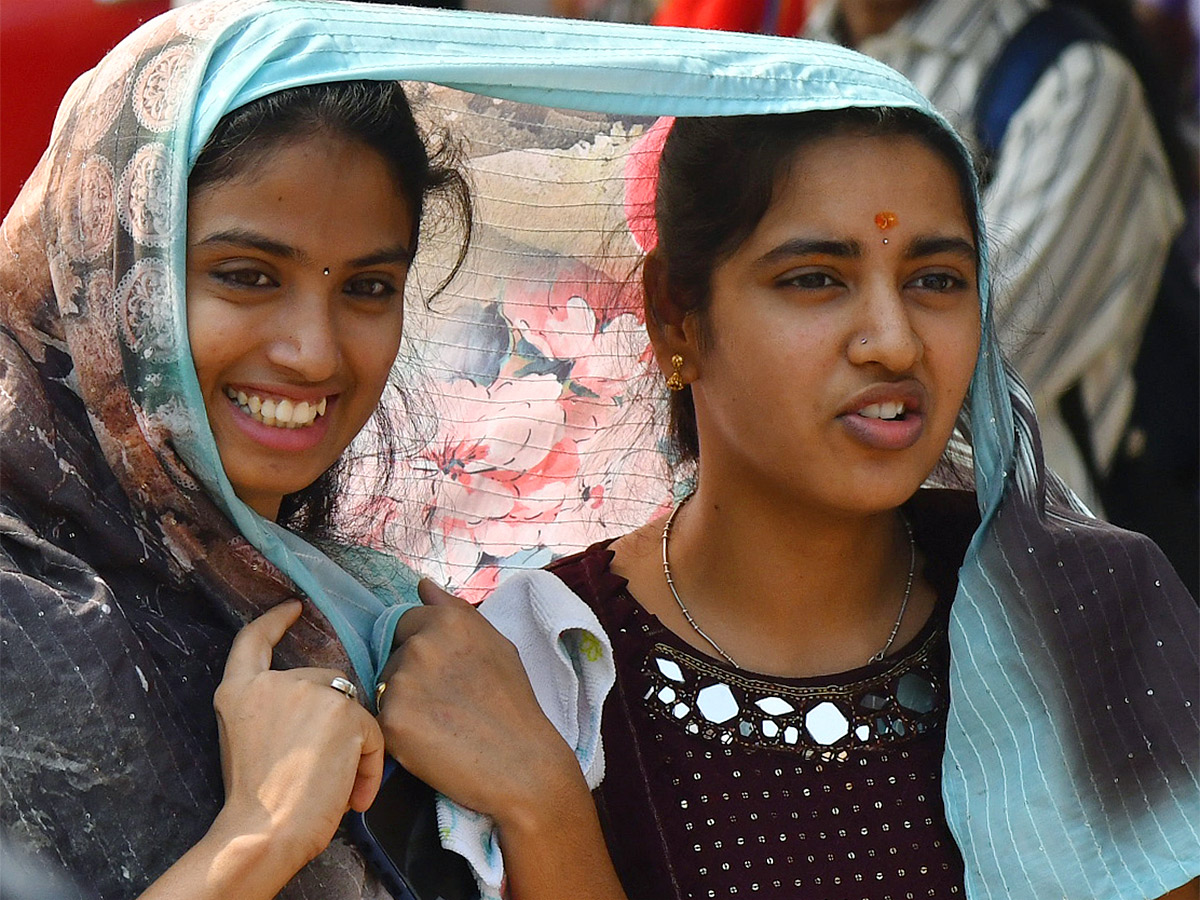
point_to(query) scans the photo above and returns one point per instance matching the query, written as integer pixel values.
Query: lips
(886, 416)
(277, 422)
(277, 412)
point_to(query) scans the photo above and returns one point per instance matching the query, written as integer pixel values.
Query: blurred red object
(44, 46)
(785, 17)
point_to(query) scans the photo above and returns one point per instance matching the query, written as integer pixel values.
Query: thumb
(252, 647)
(432, 595)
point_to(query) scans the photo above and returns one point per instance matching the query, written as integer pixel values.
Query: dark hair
(716, 180)
(425, 167)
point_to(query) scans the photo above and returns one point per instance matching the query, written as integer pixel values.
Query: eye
(371, 287)
(809, 281)
(941, 282)
(245, 278)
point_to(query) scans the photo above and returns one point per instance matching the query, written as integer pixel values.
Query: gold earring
(674, 380)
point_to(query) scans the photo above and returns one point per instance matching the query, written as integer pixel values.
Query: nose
(306, 343)
(883, 331)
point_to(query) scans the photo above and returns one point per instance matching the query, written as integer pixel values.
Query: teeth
(282, 413)
(886, 410)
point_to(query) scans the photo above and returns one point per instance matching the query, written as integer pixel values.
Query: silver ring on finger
(344, 686)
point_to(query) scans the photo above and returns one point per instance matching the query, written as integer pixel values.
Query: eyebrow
(804, 247)
(240, 237)
(389, 255)
(852, 249)
(931, 246)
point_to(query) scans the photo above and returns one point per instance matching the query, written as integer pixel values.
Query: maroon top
(723, 782)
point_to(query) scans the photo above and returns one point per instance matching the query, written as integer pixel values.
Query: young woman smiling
(193, 434)
(295, 312)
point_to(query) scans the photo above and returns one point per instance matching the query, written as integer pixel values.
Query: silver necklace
(878, 657)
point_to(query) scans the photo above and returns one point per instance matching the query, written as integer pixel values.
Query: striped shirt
(1081, 209)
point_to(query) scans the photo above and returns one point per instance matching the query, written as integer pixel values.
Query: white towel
(569, 661)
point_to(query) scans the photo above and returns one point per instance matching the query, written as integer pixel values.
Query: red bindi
(885, 220)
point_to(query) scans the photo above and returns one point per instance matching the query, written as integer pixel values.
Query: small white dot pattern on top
(695, 808)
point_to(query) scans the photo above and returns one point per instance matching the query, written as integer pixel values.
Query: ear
(672, 328)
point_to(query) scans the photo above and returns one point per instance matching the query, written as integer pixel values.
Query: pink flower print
(543, 288)
(610, 410)
(641, 183)
(624, 477)
(539, 497)
(500, 467)
(593, 360)
(481, 583)
(603, 380)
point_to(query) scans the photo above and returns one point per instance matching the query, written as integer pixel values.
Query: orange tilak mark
(885, 220)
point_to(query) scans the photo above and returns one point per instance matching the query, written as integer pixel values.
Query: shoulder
(1089, 81)
(589, 572)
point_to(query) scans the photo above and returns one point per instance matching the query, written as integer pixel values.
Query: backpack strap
(1020, 65)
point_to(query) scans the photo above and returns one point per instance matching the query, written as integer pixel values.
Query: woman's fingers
(416, 620)
(255, 643)
(432, 594)
(370, 768)
(460, 714)
(296, 751)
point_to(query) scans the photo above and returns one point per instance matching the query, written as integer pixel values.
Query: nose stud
(326, 272)
(862, 340)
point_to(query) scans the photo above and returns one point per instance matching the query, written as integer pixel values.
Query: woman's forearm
(229, 861)
(556, 848)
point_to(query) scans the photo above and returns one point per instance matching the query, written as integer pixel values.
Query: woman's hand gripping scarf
(1071, 748)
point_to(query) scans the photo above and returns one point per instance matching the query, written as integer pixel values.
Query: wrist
(245, 842)
(555, 842)
(547, 790)
(233, 859)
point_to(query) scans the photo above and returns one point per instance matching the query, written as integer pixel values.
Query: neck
(862, 19)
(789, 591)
